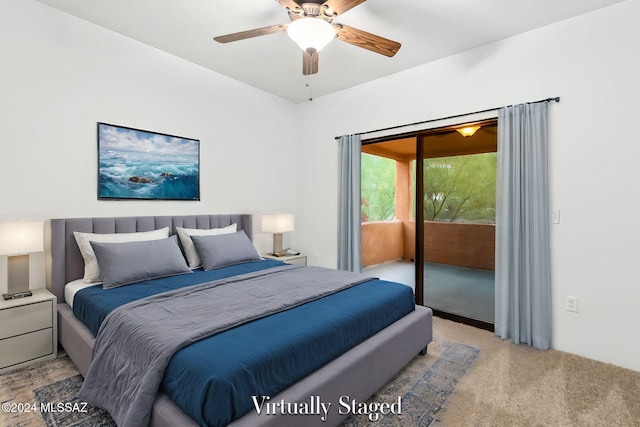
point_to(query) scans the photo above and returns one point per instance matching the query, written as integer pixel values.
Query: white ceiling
(427, 29)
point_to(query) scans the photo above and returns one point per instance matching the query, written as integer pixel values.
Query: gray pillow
(124, 263)
(224, 249)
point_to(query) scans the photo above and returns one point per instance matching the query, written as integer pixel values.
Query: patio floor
(461, 291)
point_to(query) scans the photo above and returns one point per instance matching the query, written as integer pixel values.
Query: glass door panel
(428, 218)
(388, 228)
(458, 233)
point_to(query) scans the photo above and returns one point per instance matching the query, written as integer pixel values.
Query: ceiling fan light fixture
(468, 130)
(311, 33)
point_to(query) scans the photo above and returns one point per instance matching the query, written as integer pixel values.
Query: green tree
(460, 188)
(378, 188)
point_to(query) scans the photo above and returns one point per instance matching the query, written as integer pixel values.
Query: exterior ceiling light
(468, 130)
(311, 33)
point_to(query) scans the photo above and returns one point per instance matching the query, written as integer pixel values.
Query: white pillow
(91, 269)
(187, 244)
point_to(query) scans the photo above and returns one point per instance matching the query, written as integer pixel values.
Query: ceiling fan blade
(289, 4)
(366, 40)
(341, 6)
(256, 32)
(309, 61)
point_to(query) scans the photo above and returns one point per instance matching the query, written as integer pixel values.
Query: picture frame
(145, 165)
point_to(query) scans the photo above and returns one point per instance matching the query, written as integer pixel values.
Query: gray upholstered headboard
(66, 264)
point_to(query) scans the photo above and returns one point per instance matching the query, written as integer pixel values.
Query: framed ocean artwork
(140, 164)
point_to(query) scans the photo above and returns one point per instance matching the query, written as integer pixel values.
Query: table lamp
(277, 224)
(18, 240)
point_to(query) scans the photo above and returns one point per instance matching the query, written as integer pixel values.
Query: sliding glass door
(439, 237)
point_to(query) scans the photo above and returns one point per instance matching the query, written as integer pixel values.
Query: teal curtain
(349, 232)
(523, 276)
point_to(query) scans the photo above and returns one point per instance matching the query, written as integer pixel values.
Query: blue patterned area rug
(73, 412)
(423, 387)
(424, 398)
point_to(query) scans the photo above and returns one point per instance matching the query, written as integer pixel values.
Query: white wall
(60, 75)
(589, 62)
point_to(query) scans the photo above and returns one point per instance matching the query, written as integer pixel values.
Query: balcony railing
(452, 243)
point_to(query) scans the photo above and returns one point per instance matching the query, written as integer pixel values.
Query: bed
(357, 373)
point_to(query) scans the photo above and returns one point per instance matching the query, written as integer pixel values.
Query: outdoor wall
(382, 241)
(463, 245)
(586, 61)
(452, 243)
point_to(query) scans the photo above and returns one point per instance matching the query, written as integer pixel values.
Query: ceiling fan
(312, 28)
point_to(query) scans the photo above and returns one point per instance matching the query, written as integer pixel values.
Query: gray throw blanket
(137, 340)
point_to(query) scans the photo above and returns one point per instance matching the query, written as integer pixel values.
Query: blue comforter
(213, 380)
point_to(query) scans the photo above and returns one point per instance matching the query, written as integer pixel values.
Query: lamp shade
(311, 33)
(21, 237)
(277, 223)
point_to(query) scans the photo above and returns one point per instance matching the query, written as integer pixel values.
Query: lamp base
(17, 277)
(277, 245)
(16, 295)
(279, 254)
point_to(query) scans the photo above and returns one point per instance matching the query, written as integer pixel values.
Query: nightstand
(289, 259)
(28, 330)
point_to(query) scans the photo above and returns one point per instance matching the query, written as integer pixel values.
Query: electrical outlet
(571, 303)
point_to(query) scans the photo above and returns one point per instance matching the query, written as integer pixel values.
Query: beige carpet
(516, 385)
(506, 385)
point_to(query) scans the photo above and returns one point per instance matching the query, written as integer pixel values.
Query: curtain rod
(556, 99)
